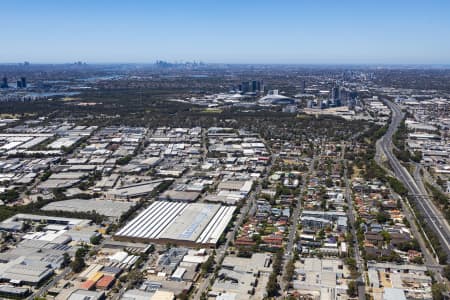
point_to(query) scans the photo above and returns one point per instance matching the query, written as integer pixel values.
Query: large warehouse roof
(164, 221)
(190, 222)
(107, 208)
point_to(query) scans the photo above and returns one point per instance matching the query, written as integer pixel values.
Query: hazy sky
(241, 31)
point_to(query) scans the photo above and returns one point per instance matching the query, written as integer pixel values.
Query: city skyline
(263, 32)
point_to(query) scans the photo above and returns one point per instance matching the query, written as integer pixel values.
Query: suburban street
(249, 208)
(351, 216)
(289, 254)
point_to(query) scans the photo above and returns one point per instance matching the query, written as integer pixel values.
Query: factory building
(186, 224)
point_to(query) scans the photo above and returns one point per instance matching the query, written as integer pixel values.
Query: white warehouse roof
(164, 221)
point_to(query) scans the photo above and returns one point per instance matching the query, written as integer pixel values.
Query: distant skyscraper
(254, 86)
(24, 82)
(19, 84)
(351, 103)
(335, 93)
(245, 87)
(303, 87)
(4, 84)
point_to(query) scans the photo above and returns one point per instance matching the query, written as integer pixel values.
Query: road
(248, 209)
(351, 217)
(427, 208)
(289, 254)
(43, 290)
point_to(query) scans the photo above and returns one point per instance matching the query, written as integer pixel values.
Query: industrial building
(140, 189)
(186, 224)
(108, 208)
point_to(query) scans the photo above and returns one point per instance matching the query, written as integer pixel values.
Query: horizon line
(229, 63)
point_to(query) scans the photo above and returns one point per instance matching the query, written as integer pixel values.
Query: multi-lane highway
(428, 210)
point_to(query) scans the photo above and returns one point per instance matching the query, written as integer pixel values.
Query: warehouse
(13, 292)
(70, 222)
(182, 196)
(108, 208)
(65, 142)
(135, 190)
(20, 271)
(185, 224)
(236, 185)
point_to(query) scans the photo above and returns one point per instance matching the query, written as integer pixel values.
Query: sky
(227, 31)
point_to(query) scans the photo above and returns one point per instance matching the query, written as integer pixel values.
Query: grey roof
(394, 294)
(32, 272)
(85, 295)
(191, 222)
(137, 295)
(107, 208)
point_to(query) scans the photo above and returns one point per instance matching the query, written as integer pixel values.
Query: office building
(4, 84)
(256, 86)
(245, 87)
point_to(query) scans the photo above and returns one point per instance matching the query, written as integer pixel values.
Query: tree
(135, 276)
(183, 296)
(329, 182)
(66, 259)
(417, 260)
(352, 289)
(272, 285)
(95, 239)
(437, 290)
(77, 265)
(290, 269)
(46, 175)
(351, 262)
(208, 264)
(386, 236)
(9, 196)
(321, 234)
(124, 160)
(382, 217)
(446, 272)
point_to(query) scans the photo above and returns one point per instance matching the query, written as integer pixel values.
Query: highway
(432, 215)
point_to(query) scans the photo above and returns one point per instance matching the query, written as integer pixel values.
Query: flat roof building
(179, 223)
